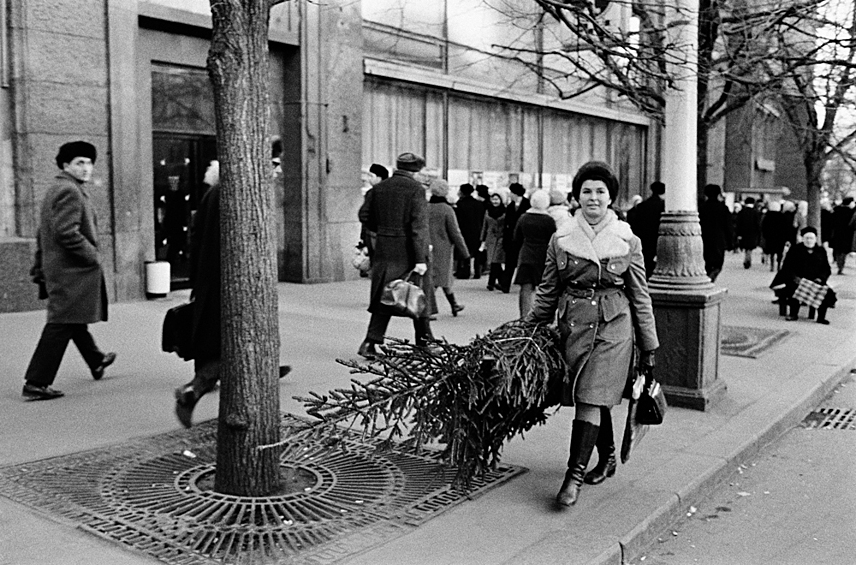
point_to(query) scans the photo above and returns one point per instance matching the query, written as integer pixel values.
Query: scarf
(438, 200)
(496, 211)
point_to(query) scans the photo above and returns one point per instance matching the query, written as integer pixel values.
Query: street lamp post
(686, 303)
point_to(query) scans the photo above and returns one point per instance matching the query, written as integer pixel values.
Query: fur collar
(577, 238)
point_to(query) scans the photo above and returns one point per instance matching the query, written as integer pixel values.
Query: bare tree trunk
(813, 168)
(249, 397)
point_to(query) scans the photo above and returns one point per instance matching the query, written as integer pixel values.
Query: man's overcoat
(67, 255)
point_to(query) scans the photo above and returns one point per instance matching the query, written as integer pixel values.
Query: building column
(686, 303)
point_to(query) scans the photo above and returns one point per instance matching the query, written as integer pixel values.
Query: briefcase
(177, 333)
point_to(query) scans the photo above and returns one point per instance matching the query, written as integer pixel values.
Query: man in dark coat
(716, 230)
(748, 228)
(470, 214)
(842, 233)
(396, 210)
(69, 274)
(646, 225)
(516, 208)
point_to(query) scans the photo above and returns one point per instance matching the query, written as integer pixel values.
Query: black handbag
(651, 406)
(404, 297)
(177, 333)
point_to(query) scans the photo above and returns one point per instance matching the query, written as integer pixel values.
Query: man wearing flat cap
(68, 271)
(396, 210)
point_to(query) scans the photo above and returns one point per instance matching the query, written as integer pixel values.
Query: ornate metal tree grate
(831, 419)
(155, 495)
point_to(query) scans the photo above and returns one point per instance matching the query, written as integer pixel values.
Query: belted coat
(396, 210)
(595, 284)
(67, 256)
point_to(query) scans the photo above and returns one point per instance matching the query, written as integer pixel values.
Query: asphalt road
(793, 505)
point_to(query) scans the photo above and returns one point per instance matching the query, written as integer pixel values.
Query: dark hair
(517, 189)
(68, 151)
(748, 200)
(466, 189)
(595, 170)
(379, 170)
(658, 188)
(712, 190)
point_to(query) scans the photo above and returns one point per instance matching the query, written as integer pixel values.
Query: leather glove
(646, 359)
(420, 268)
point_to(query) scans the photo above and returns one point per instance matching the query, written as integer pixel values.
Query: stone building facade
(352, 83)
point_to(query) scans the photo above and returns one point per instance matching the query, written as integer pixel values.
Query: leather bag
(651, 406)
(177, 333)
(404, 297)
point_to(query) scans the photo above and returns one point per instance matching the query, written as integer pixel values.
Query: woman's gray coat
(445, 236)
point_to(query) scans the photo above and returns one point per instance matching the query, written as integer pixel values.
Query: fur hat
(808, 229)
(595, 170)
(410, 162)
(557, 197)
(540, 200)
(466, 189)
(439, 187)
(68, 151)
(658, 188)
(379, 171)
(712, 190)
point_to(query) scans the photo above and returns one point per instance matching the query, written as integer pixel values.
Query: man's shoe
(791, 319)
(33, 392)
(368, 350)
(824, 321)
(185, 402)
(98, 371)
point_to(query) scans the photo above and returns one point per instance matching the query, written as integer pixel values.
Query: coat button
(572, 324)
(594, 303)
(576, 262)
(574, 301)
(591, 325)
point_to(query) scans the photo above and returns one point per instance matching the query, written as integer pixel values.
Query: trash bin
(157, 279)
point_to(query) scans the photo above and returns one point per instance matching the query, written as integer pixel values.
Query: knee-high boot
(605, 451)
(583, 438)
(450, 296)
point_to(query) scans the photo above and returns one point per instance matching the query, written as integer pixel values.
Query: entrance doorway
(179, 165)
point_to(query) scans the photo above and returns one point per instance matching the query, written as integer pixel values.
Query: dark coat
(67, 256)
(445, 235)
(470, 214)
(599, 330)
(842, 233)
(748, 227)
(716, 226)
(774, 229)
(531, 237)
(800, 262)
(396, 210)
(646, 224)
(205, 277)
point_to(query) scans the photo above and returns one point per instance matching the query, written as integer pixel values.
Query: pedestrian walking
(397, 211)
(647, 224)
(717, 231)
(789, 211)
(748, 228)
(516, 207)
(445, 236)
(842, 232)
(532, 235)
(805, 260)
(595, 278)
(491, 240)
(470, 215)
(69, 273)
(774, 232)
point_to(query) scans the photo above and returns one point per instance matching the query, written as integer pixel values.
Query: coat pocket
(612, 305)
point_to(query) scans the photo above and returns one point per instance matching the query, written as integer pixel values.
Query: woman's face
(809, 240)
(495, 200)
(594, 200)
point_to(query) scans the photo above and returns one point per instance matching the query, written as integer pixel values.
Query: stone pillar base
(688, 326)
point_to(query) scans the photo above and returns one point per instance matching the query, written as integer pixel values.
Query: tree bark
(249, 395)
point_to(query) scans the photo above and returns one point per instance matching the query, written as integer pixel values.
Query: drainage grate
(749, 342)
(155, 495)
(831, 419)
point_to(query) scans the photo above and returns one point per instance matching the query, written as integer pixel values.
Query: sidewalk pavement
(675, 465)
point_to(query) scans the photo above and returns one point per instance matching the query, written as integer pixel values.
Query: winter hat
(517, 189)
(712, 190)
(540, 200)
(658, 188)
(68, 151)
(379, 171)
(466, 189)
(557, 197)
(409, 162)
(595, 170)
(808, 229)
(439, 187)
